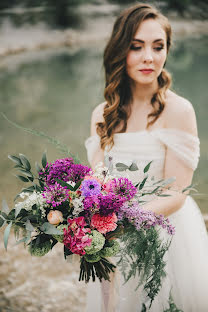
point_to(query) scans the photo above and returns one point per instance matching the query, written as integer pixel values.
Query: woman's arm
(181, 117)
(97, 116)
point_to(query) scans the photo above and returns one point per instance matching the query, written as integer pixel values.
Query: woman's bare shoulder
(179, 113)
(97, 114)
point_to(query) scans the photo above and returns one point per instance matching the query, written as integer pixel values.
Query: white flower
(72, 183)
(78, 206)
(32, 199)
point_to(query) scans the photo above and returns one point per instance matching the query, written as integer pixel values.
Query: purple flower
(142, 218)
(110, 203)
(123, 187)
(91, 204)
(59, 169)
(64, 169)
(78, 172)
(56, 194)
(90, 187)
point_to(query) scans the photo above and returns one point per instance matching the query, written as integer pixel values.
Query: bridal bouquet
(92, 213)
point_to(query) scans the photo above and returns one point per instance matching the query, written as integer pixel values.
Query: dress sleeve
(184, 144)
(92, 144)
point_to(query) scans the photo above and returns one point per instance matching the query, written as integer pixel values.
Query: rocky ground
(31, 284)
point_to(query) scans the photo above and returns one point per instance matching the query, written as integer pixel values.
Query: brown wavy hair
(117, 88)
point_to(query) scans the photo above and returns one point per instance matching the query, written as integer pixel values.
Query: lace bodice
(145, 146)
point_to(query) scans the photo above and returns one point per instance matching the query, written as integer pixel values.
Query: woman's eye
(135, 48)
(158, 48)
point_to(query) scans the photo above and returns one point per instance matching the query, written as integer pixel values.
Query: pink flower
(76, 238)
(55, 217)
(107, 186)
(104, 224)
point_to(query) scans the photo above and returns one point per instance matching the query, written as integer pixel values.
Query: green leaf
(17, 166)
(25, 162)
(23, 179)
(23, 240)
(1, 222)
(15, 159)
(63, 183)
(4, 215)
(37, 166)
(121, 167)
(78, 184)
(27, 173)
(17, 210)
(147, 167)
(133, 167)
(29, 226)
(164, 195)
(5, 207)
(142, 183)
(6, 234)
(44, 160)
(48, 228)
(168, 181)
(29, 189)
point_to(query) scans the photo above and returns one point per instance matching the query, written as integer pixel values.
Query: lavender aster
(90, 187)
(123, 187)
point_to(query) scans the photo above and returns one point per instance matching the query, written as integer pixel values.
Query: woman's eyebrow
(141, 41)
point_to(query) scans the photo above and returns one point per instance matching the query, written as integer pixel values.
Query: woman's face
(148, 51)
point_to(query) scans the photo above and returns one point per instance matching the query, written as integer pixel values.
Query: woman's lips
(146, 71)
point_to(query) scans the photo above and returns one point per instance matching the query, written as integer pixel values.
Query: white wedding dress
(187, 257)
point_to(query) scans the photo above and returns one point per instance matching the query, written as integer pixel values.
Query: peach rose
(55, 217)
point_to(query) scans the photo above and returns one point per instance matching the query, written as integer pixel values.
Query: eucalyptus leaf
(15, 159)
(121, 167)
(23, 179)
(133, 167)
(6, 234)
(25, 162)
(27, 173)
(18, 166)
(29, 226)
(23, 240)
(168, 181)
(37, 166)
(147, 167)
(5, 207)
(4, 215)
(44, 160)
(17, 210)
(48, 228)
(29, 189)
(2, 221)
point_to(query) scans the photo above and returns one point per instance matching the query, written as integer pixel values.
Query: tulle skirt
(187, 272)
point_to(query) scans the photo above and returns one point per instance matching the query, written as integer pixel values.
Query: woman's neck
(142, 93)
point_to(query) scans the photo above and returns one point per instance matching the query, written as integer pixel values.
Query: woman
(143, 120)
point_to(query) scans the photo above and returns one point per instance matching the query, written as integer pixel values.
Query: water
(55, 91)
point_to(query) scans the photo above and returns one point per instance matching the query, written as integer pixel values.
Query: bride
(143, 120)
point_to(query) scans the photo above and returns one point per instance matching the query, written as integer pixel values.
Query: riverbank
(97, 22)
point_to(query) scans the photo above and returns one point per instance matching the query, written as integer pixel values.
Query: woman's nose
(147, 57)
